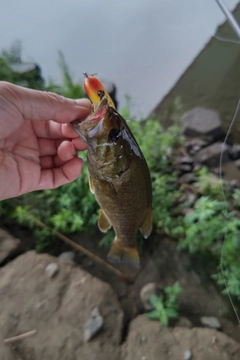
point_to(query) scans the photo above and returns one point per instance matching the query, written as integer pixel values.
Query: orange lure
(95, 90)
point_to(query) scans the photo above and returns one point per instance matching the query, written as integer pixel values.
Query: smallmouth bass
(118, 174)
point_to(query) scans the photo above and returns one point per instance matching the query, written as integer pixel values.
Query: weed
(165, 307)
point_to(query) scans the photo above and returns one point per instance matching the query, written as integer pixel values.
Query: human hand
(38, 146)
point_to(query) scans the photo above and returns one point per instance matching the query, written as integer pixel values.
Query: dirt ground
(24, 290)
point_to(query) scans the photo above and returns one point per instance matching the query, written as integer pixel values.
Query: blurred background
(142, 47)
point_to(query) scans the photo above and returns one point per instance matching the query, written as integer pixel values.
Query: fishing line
(235, 27)
(225, 201)
(226, 40)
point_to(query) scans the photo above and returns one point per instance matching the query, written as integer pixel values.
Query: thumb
(42, 105)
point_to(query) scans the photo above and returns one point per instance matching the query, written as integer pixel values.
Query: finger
(53, 130)
(66, 151)
(41, 105)
(68, 131)
(69, 148)
(79, 144)
(52, 178)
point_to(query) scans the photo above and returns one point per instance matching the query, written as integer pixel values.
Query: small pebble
(188, 178)
(40, 305)
(15, 315)
(148, 290)
(211, 321)
(67, 255)
(93, 325)
(188, 355)
(52, 269)
(184, 322)
(237, 163)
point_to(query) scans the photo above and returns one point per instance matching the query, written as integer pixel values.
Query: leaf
(154, 299)
(153, 314)
(164, 319)
(171, 313)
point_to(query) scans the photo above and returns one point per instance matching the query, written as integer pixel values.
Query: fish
(118, 174)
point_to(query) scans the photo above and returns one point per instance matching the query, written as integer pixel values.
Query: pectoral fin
(146, 227)
(91, 186)
(122, 254)
(103, 222)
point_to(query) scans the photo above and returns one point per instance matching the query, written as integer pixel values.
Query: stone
(210, 155)
(200, 121)
(183, 167)
(67, 255)
(197, 167)
(184, 322)
(211, 321)
(188, 355)
(52, 269)
(67, 303)
(183, 160)
(234, 151)
(191, 198)
(172, 343)
(93, 325)
(217, 171)
(188, 178)
(237, 163)
(197, 143)
(148, 290)
(9, 247)
(195, 149)
(232, 184)
(231, 172)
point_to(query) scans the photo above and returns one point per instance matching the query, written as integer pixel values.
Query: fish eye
(114, 134)
(101, 94)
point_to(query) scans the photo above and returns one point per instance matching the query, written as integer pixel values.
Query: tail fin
(121, 254)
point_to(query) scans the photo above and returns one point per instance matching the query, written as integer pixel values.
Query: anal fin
(103, 222)
(146, 227)
(121, 254)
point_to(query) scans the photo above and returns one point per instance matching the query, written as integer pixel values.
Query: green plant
(165, 307)
(156, 145)
(203, 225)
(210, 228)
(107, 239)
(208, 184)
(11, 66)
(236, 199)
(68, 209)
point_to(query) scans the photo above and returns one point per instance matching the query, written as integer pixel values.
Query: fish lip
(102, 105)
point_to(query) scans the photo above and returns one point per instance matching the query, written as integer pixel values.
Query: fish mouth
(97, 114)
(87, 127)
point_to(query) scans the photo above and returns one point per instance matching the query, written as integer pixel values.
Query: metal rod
(230, 18)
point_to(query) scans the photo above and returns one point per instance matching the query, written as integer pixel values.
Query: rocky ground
(51, 308)
(68, 307)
